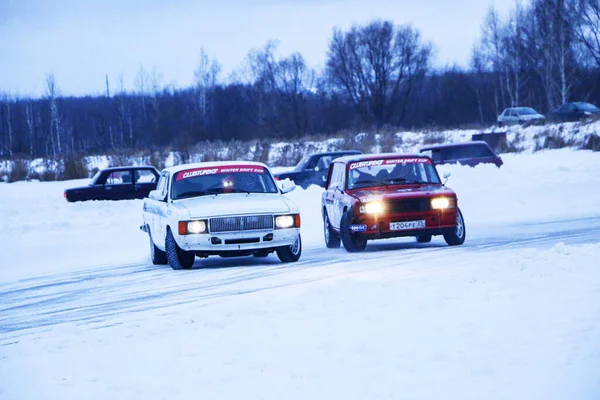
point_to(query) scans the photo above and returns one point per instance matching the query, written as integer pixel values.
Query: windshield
(302, 163)
(526, 111)
(586, 106)
(391, 172)
(222, 179)
(95, 178)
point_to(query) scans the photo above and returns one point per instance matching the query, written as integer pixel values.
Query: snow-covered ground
(512, 314)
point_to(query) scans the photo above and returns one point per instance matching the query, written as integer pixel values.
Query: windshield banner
(227, 169)
(391, 161)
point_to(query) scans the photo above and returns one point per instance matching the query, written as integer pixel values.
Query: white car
(220, 208)
(520, 115)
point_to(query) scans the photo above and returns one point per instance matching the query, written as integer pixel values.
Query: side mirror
(156, 195)
(287, 186)
(446, 176)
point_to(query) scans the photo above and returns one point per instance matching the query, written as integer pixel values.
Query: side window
(336, 176)
(119, 178)
(144, 176)
(436, 155)
(162, 184)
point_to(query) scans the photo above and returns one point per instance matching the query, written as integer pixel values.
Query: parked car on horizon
(225, 208)
(312, 168)
(465, 153)
(379, 196)
(572, 112)
(116, 183)
(520, 115)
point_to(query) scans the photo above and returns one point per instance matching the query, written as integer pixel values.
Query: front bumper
(238, 241)
(378, 226)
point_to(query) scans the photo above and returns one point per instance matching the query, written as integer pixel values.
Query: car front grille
(408, 205)
(242, 223)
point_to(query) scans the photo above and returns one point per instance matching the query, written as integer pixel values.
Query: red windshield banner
(391, 161)
(227, 169)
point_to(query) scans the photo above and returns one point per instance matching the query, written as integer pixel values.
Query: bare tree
(588, 26)
(376, 65)
(205, 79)
(52, 93)
(7, 100)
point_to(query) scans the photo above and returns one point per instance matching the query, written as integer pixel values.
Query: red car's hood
(400, 191)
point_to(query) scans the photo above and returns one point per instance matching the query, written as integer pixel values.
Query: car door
(119, 185)
(145, 180)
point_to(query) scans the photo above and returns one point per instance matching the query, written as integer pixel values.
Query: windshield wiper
(371, 182)
(404, 180)
(195, 193)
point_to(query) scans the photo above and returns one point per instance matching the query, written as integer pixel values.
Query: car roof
(457, 144)
(325, 153)
(182, 167)
(377, 156)
(128, 167)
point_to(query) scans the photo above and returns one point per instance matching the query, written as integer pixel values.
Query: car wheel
(332, 238)
(176, 256)
(424, 238)
(158, 256)
(456, 236)
(352, 242)
(291, 253)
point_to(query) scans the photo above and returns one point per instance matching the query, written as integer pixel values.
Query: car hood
(78, 188)
(237, 203)
(404, 191)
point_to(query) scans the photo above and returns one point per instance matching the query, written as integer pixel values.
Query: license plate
(399, 226)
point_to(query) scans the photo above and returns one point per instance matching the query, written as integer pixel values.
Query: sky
(81, 42)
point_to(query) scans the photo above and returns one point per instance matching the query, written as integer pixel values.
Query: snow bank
(497, 325)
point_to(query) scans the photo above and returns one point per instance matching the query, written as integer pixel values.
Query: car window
(324, 162)
(162, 183)
(119, 178)
(144, 176)
(436, 155)
(463, 152)
(336, 175)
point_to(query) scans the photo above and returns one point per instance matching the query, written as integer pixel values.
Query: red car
(379, 196)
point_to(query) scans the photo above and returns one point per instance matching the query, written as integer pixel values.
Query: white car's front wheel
(177, 257)
(291, 253)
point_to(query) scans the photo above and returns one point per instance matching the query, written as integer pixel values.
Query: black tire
(178, 258)
(424, 238)
(158, 256)
(290, 253)
(332, 238)
(456, 236)
(352, 242)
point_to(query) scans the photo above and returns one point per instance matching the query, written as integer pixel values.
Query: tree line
(545, 53)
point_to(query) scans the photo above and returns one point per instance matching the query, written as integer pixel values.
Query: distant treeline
(545, 53)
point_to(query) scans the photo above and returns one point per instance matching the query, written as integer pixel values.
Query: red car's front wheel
(456, 236)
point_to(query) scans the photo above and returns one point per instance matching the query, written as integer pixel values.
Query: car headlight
(375, 207)
(192, 227)
(441, 203)
(287, 221)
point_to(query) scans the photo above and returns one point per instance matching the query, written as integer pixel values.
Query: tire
(157, 256)
(352, 242)
(178, 258)
(290, 253)
(456, 236)
(424, 239)
(332, 238)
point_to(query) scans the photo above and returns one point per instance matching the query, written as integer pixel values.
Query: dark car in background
(572, 112)
(467, 153)
(117, 183)
(313, 168)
